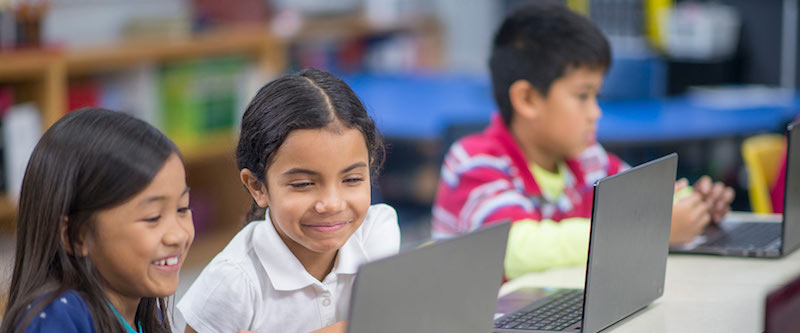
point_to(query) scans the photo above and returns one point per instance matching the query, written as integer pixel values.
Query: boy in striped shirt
(537, 161)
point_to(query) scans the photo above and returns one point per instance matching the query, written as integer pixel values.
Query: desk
(422, 106)
(679, 118)
(702, 293)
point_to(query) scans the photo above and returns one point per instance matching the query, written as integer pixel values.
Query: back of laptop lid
(450, 286)
(629, 241)
(782, 307)
(791, 199)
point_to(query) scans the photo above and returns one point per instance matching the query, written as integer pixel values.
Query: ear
(257, 189)
(81, 249)
(525, 99)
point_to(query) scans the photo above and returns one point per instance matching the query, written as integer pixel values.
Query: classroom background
(696, 77)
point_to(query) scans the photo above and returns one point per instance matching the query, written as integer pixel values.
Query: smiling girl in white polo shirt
(306, 153)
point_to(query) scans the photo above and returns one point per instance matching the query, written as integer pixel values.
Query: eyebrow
(161, 197)
(294, 171)
(587, 86)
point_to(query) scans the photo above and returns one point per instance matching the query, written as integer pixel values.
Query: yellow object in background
(580, 6)
(655, 21)
(762, 154)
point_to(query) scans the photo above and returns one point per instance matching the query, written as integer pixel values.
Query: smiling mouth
(328, 227)
(166, 262)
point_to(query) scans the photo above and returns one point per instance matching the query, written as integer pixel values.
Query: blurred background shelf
(250, 40)
(172, 79)
(8, 212)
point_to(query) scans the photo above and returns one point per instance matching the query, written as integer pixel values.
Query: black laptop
(628, 247)
(760, 239)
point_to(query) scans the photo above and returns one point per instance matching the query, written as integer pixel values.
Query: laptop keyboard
(749, 235)
(563, 309)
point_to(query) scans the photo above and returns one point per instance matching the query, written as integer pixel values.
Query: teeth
(166, 262)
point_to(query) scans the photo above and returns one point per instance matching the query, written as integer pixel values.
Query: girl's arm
(339, 327)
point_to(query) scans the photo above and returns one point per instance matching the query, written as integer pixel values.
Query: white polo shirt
(257, 284)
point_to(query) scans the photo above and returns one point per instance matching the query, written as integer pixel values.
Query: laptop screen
(629, 242)
(449, 286)
(791, 205)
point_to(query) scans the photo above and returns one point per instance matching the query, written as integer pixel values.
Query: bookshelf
(43, 76)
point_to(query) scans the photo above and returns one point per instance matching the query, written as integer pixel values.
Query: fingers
(719, 200)
(715, 194)
(689, 216)
(728, 195)
(723, 205)
(699, 214)
(703, 185)
(681, 184)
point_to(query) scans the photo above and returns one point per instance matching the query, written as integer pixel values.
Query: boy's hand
(716, 195)
(690, 216)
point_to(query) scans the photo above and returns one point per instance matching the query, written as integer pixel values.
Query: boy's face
(318, 188)
(139, 246)
(567, 118)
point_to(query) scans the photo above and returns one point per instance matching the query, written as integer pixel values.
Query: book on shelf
(385, 52)
(199, 98)
(82, 94)
(133, 91)
(22, 127)
(6, 101)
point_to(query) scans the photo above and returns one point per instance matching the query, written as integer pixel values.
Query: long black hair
(89, 160)
(309, 99)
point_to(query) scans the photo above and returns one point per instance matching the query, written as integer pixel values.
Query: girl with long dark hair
(103, 227)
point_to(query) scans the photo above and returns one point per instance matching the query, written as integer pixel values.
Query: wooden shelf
(8, 214)
(51, 70)
(355, 26)
(26, 64)
(251, 40)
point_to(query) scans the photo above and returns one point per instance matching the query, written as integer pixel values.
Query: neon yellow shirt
(540, 245)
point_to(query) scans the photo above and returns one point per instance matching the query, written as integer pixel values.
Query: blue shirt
(67, 313)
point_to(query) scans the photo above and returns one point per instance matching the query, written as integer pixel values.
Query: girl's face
(318, 188)
(138, 247)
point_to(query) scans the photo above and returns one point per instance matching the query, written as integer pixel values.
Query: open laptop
(782, 308)
(449, 286)
(628, 246)
(761, 239)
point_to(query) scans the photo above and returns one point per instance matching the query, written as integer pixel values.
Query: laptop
(449, 286)
(625, 272)
(760, 239)
(781, 308)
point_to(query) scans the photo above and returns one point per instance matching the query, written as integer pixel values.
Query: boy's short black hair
(538, 43)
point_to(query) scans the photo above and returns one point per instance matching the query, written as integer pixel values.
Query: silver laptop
(449, 286)
(628, 246)
(764, 239)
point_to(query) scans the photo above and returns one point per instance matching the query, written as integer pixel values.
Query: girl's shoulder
(379, 234)
(66, 313)
(381, 213)
(379, 216)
